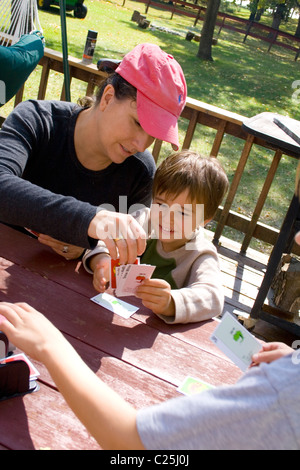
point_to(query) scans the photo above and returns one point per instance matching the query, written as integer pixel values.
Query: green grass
(243, 78)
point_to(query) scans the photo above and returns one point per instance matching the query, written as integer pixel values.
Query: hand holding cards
(124, 279)
(235, 341)
(127, 277)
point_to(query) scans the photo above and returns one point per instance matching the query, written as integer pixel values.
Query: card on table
(34, 373)
(235, 341)
(123, 309)
(190, 386)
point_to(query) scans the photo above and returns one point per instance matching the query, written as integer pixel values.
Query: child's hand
(271, 352)
(156, 295)
(101, 267)
(28, 329)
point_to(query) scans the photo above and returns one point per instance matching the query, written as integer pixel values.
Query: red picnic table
(141, 357)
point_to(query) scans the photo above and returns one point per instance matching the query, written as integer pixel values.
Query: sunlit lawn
(243, 78)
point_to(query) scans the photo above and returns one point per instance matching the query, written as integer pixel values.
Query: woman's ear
(107, 96)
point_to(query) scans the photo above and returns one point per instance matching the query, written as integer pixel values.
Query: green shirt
(164, 266)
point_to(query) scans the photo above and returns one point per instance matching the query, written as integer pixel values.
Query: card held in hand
(124, 279)
(235, 341)
(131, 277)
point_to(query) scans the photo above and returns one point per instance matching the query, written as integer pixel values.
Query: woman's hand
(156, 295)
(123, 236)
(63, 249)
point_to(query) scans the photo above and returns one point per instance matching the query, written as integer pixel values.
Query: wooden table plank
(135, 385)
(42, 420)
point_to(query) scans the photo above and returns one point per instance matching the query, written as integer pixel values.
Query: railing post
(234, 186)
(261, 200)
(190, 130)
(248, 30)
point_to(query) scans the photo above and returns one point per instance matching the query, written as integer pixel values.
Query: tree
(205, 46)
(279, 14)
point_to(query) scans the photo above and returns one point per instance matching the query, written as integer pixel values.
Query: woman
(62, 166)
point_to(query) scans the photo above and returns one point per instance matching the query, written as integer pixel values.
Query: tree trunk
(205, 46)
(253, 9)
(258, 14)
(278, 15)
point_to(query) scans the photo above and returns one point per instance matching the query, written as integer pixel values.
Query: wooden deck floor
(242, 277)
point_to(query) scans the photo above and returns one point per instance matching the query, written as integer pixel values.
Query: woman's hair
(123, 90)
(204, 178)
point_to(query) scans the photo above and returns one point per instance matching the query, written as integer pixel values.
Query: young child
(186, 284)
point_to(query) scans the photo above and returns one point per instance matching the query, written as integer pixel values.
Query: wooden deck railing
(195, 112)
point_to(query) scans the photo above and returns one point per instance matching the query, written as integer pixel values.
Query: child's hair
(123, 90)
(205, 179)
(297, 184)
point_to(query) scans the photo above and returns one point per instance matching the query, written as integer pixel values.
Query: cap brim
(156, 121)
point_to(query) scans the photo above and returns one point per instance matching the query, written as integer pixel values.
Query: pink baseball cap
(161, 90)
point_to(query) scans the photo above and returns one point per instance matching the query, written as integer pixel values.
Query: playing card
(115, 305)
(190, 386)
(116, 269)
(235, 341)
(3, 345)
(132, 277)
(33, 232)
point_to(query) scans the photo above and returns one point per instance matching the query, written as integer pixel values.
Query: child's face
(174, 219)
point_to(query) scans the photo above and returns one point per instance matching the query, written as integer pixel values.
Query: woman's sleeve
(28, 205)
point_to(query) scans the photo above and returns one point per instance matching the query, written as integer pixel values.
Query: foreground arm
(109, 419)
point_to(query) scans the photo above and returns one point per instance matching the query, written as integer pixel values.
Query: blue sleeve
(17, 62)
(261, 411)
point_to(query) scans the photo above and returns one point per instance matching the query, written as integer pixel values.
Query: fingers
(271, 352)
(8, 312)
(100, 281)
(14, 312)
(123, 236)
(156, 295)
(9, 317)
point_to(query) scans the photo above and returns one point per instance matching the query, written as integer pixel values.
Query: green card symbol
(238, 336)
